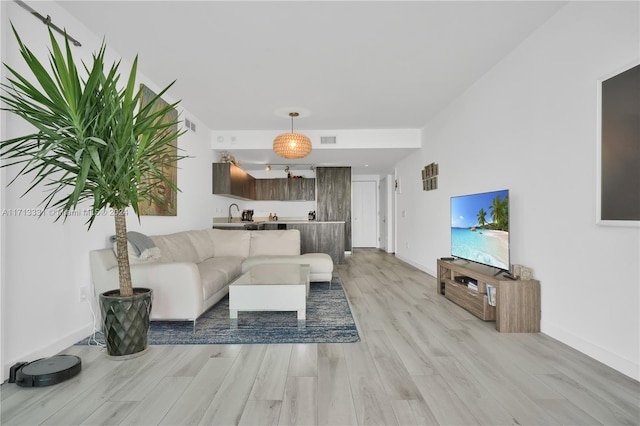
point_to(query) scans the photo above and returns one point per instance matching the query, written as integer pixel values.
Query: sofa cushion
(218, 272)
(321, 262)
(202, 244)
(230, 242)
(213, 280)
(176, 247)
(230, 266)
(275, 243)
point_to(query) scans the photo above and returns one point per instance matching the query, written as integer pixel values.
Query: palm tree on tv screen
(482, 217)
(500, 213)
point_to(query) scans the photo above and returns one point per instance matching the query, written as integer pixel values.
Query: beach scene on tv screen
(480, 228)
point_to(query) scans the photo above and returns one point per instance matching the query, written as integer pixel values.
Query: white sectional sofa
(196, 267)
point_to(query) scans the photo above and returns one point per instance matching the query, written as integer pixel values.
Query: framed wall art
(618, 148)
(166, 202)
(430, 177)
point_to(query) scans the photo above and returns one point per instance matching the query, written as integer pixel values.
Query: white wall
(44, 264)
(347, 138)
(529, 125)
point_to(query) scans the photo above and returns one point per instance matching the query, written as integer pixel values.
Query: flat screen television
(480, 228)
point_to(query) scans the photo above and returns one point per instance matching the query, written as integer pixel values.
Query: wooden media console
(517, 304)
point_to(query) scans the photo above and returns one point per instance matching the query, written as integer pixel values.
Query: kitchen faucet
(237, 208)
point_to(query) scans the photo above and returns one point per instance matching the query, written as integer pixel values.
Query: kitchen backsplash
(289, 209)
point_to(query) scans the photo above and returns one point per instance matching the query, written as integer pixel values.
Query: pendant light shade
(292, 145)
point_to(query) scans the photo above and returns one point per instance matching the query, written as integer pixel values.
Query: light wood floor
(422, 360)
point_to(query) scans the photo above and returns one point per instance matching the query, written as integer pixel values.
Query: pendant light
(292, 145)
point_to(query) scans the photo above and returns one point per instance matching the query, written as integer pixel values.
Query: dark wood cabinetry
(321, 238)
(286, 189)
(302, 189)
(272, 189)
(333, 194)
(308, 236)
(232, 181)
(330, 239)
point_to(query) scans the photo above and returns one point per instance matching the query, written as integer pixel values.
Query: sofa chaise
(195, 268)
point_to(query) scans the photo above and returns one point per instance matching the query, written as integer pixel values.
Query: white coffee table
(270, 287)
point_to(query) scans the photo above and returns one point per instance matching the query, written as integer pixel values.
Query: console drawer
(472, 301)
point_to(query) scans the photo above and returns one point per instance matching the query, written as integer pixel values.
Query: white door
(365, 214)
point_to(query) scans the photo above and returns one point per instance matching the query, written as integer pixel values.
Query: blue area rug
(329, 320)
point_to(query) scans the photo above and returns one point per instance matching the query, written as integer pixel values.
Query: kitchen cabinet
(330, 239)
(308, 236)
(272, 189)
(231, 181)
(333, 194)
(318, 237)
(286, 189)
(302, 189)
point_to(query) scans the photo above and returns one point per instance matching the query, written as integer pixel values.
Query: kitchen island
(315, 236)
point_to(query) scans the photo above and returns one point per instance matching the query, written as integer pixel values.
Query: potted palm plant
(93, 142)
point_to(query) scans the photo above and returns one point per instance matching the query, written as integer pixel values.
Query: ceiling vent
(327, 139)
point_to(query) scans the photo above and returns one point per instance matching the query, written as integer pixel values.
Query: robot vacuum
(45, 371)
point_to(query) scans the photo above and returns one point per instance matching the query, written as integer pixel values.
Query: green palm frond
(93, 141)
(91, 136)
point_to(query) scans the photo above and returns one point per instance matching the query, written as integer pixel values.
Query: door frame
(376, 180)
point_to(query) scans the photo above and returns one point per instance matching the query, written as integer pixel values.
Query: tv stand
(517, 307)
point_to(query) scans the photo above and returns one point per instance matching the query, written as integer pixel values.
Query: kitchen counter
(237, 223)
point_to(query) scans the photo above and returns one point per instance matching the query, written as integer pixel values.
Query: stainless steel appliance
(247, 215)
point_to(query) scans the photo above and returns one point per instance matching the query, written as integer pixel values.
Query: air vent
(327, 139)
(190, 125)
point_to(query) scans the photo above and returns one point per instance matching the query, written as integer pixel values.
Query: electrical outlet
(85, 293)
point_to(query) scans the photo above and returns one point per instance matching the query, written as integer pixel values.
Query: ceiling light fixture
(268, 168)
(292, 145)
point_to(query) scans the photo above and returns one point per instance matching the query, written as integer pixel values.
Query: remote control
(447, 258)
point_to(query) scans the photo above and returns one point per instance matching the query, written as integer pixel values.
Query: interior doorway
(365, 213)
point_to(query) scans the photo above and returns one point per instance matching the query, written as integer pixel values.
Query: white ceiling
(350, 65)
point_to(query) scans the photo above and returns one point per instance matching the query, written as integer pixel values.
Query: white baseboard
(423, 268)
(627, 367)
(48, 350)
